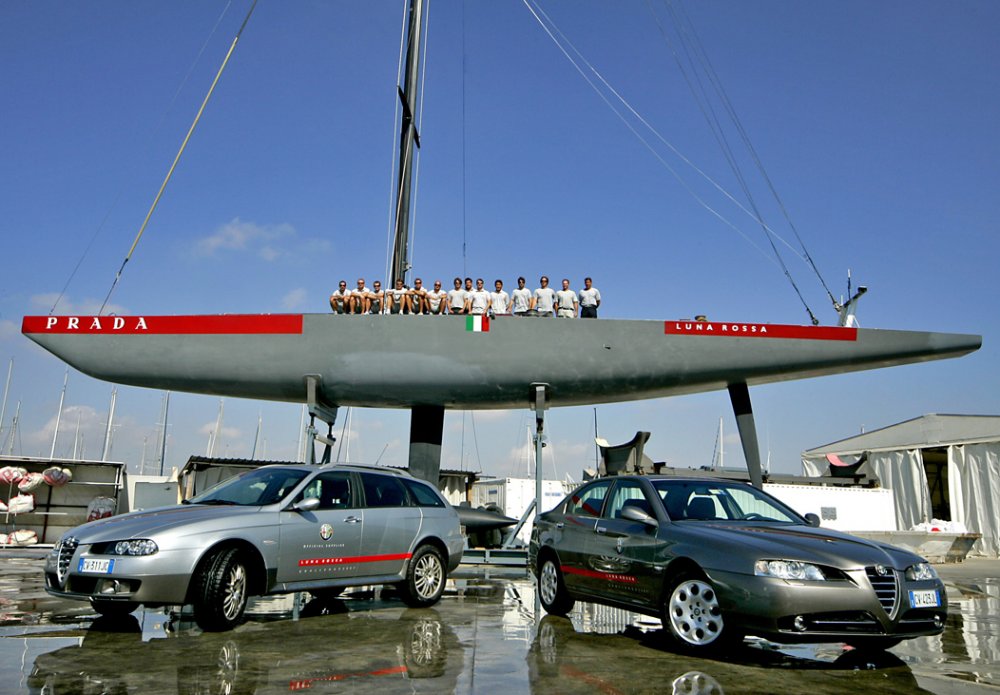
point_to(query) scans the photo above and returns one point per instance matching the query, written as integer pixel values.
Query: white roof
(923, 432)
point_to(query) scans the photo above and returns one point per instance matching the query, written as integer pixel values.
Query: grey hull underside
(405, 361)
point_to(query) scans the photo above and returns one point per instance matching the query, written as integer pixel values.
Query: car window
(702, 501)
(627, 493)
(333, 490)
(256, 487)
(383, 491)
(422, 493)
(588, 500)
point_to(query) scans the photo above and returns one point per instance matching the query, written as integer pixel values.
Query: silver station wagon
(273, 530)
(719, 560)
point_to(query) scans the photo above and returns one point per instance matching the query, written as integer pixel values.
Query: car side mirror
(636, 514)
(812, 520)
(306, 505)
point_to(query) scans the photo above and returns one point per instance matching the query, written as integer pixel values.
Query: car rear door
(323, 543)
(625, 554)
(391, 524)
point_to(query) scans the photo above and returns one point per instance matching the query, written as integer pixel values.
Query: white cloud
(294, 299)
(237, 236)
(8, 329)
(67, 307)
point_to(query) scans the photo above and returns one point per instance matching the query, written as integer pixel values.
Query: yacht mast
(409, 140)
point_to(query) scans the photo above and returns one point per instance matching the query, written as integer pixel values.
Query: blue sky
(877, 123)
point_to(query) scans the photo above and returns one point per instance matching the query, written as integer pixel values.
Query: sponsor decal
(477, 324)
(326, 532)
(606, 576)
(736, 329)
(221, 324)
(319, 561)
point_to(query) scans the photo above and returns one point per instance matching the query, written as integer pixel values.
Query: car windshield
(713, 501)
(253, 488)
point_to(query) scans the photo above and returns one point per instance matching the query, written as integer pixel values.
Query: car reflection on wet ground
(486, 635)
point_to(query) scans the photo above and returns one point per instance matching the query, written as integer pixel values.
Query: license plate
(97, 566)
(924, 599)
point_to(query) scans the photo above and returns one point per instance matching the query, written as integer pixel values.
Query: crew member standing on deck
(456, 298)
(520, 299)
(590, 299)
(544, 299)
(477, 301)
(566, 301)
(499, 300)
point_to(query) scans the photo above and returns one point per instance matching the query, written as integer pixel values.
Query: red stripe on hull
(737, 329)
(221, 324)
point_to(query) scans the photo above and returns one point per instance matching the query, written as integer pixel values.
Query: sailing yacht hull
(452, 361)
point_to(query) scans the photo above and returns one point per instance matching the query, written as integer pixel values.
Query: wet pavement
(487, 635)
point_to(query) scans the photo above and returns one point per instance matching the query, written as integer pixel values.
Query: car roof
(355, 467)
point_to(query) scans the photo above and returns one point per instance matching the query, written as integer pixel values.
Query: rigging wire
(121, 190)
(696, 56)
(551, 29)
(737, 122)
(649, 146)
(166, 180)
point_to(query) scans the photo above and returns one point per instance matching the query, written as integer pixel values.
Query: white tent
(943, 467)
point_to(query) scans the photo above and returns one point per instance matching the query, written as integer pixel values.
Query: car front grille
(64, 557)
(886, 585)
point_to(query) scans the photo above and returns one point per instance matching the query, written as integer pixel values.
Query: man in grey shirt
(520, 299)
(566, 301)
(590, 299)
(544, 299)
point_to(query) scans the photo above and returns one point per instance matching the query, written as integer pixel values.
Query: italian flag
(477, 324)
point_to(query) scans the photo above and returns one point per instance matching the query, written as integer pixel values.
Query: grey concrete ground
(486, 636)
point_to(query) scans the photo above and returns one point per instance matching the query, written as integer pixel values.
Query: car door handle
(560, 525)
(601, 529)
(352, 520)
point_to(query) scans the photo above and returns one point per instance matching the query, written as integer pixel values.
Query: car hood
(150, 522)
(804, 543)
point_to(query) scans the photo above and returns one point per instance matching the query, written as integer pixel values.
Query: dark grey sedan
(719, 560)
(272, 530)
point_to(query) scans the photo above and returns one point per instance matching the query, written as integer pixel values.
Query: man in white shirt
(376, 299)
(477, 301)
(417, 297)
(520, 299)
(435, 300)
(398, 298)
(456, 298)
(544, 299)
(590, 299)
(566, 301)
(360, 299)
(499, 300)
(339, 299)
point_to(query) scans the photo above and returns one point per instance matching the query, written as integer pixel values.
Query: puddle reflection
(328, 648)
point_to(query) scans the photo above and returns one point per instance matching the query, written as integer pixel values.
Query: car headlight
(788, 569)
(920, 571)
(142, 546)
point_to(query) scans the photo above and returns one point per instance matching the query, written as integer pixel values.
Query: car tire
(425, 577)
(552, 589)
(221, 591)
(113, 609)
(692, 616)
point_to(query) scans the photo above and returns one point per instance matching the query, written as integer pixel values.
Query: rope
(177, 158)
(538, 14)
(121, 191)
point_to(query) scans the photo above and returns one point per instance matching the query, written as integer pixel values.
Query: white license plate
(97, 566)
(924, 599)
